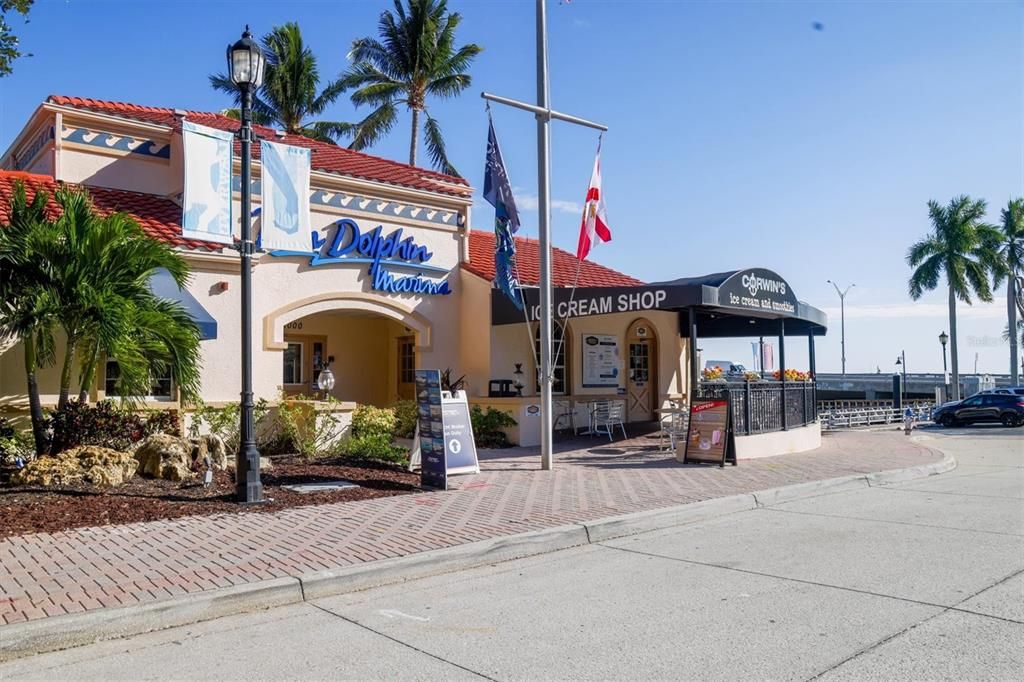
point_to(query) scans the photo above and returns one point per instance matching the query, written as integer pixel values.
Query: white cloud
(889, 311)
(528, 201)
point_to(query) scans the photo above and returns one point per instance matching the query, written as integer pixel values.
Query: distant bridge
(879, 386)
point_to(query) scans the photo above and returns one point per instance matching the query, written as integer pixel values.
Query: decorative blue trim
(122, 143)
(388, 209)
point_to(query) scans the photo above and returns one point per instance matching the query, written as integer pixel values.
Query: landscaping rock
(84, 464)
(217, 450)
(164, 456)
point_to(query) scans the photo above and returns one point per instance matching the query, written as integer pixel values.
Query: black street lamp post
(245, 66)
(944, 339)
(901, 362)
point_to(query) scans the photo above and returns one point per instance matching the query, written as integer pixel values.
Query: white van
(728, 367)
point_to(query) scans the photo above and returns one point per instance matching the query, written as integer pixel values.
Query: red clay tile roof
(481, 255)
(160, 218)
(325, 157)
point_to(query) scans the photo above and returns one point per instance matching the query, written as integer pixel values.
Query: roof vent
(280, 134)
(180, 113)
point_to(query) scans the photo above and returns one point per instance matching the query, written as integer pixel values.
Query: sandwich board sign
(709, 436)
(444, 443)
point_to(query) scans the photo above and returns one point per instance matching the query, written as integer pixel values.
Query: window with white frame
(161, 387)
(293, 363)
(559, 352)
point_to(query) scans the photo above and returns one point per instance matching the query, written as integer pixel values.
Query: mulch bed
(31, 509)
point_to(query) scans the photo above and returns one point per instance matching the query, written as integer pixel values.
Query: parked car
(983, 407)
(1005, 390)
(728, 367)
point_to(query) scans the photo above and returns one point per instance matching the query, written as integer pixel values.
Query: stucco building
(430, 309)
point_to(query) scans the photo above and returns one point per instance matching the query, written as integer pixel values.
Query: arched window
(560, 351)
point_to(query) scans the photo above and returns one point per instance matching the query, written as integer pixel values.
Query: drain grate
(320, 486)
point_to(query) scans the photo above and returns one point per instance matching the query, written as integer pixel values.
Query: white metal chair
(607, 415)
(674, 427)
(565, 417)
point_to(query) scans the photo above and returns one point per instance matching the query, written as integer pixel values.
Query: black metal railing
(757, 406)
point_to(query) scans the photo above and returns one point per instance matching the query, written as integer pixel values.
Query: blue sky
(739, 135)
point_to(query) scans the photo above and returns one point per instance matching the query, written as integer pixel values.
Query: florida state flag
(594, 227)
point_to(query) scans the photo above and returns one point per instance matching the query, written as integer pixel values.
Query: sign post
(430, 429)
(709, 436)
(444, 444)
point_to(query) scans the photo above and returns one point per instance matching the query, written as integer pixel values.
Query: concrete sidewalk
(146, 564)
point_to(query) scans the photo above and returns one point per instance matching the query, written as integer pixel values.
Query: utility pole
(842, 319)
(542, 110)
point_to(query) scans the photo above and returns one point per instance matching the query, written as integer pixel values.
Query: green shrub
(375, 446)
(487, 427)
(405, 418)
(368, 420)
(308, 431)
(225, 422)
(106, 423)
(15, 445)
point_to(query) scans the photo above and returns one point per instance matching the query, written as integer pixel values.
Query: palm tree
(100, 269)
(28, 299)
(1011, 266)
(962, 247)
(414, 58)
(289, 95)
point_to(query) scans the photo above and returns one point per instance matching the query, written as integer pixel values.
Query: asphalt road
(921, 580)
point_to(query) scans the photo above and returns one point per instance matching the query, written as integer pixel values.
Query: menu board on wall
(601, 361)
(709, 438)
(430, 429)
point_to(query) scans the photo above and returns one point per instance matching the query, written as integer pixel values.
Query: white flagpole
(544, 239)
(542, 110)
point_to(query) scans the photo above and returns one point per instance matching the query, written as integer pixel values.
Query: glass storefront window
(293, 364)
(161, 387)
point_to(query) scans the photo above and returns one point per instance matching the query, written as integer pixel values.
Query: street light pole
(842, 319)
(944, 339)
(245, 64)
(902, 361)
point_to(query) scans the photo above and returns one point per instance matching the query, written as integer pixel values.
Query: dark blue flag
(498, 193)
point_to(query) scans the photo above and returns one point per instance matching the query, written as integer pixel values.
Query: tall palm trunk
(955, 379)
(1011, 312)
(415, 135)
(89, 371)
(35, 406)
(65, 373)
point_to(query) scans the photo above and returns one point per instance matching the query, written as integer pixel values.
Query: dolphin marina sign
(348, 244)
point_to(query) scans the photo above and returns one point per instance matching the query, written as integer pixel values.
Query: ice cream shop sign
(344, 242)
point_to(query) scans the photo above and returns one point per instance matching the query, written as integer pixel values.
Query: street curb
(76, 629)
(414, 566)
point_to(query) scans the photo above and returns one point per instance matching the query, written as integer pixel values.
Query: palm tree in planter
(963, 248)
(1011, 266)
(100, 268)
(414, 58)
(288, 96)
(28, 298)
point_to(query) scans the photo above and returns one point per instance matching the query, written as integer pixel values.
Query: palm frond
(373, 127)
(435, 147)
(926, 276)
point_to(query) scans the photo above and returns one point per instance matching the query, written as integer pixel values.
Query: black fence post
(746, 409)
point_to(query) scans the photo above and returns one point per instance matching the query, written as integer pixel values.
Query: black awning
(741, 303)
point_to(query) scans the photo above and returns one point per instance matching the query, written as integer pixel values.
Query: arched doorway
(372, 345)
(642, 377)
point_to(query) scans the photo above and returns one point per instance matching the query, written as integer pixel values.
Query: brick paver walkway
(50, 574)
